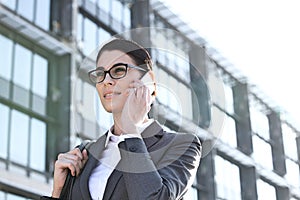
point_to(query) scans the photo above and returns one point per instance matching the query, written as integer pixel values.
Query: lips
(110, 94)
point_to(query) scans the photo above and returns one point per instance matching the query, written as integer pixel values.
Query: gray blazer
(160, 166)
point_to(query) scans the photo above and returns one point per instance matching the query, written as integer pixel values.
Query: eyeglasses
(117, 71)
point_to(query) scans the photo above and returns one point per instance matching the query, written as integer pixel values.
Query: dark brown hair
(138, 53)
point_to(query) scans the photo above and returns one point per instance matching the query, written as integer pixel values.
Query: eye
(99, 73)
(118, 70)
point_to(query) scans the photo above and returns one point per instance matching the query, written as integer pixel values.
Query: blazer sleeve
(169, 177)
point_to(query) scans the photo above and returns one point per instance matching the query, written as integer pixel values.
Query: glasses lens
(118, 71)
(97, 76)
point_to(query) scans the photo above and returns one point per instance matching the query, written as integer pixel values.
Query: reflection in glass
(265, 190)
(42, 17)
(38, 145)
(116, 11)
(22, 69)
(40, 75)
(19, 137)
(227, 179)
(5, 57)
(263, 159)
(90, 40)
(4, 115)
(289, 142)
(292, 173)
(25, 8)
(259, 123)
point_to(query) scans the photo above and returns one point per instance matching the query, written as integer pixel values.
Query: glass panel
(191, 194)
(40, 75)
(38, 145)
(127, 17)
(227, 179)
(10, 3)
(289, 142)
(229, 99)
(117, 10)
(25, 8)
(259, 123)
(19, 137)
(79, 29)
(104, 5)
(104, 36)
(185, 95)
(263, 159)
(2, 195)
(162, 80)
(173, 95)
(265, 190)
(3, 130)
(5, 57)
(21, 96)
(229, 133)
(292, 174)
(43, 14)
(22, 67)
(90, 39)
(14, 197)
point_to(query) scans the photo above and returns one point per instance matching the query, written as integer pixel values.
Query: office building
(48, 105)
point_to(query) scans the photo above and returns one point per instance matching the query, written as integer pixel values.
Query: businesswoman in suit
(148, 162)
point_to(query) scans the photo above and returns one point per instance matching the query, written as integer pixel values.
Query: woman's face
(113, 93)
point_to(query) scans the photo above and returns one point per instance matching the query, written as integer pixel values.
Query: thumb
(85, 156)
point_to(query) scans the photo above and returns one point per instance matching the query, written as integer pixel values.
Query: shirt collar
(120, 138)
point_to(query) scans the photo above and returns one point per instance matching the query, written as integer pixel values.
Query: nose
(108, 80)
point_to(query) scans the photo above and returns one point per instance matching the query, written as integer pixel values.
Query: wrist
(55, 193)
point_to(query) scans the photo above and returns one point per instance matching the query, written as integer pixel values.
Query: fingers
(141, 90)
(73, 160)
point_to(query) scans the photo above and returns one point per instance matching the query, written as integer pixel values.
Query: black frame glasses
(117, 71)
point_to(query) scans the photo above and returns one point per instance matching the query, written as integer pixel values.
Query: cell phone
(147, 80)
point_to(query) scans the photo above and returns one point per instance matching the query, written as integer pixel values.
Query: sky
(261, 38)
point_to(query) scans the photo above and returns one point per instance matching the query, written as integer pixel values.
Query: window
(103, 36)
(10, 3)
(259, 123)
(39, 76)
(19, 137)
(228, 99)
(4, 129)
(25, 8)
(228, 134)
(90, 38)
(5, 57)
(38, 12)
(37, 145)
(265, 190)
(42, 18)
(292, 173)
(22, 69)
(263, 159)
(289, 142)
(227, 179)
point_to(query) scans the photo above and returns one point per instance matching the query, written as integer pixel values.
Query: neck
(120, 128)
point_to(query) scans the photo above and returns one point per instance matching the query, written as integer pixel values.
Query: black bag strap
(69, 182)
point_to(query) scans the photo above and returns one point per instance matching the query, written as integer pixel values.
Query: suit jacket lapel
(95, 150)
(150, 136)
(112, 182)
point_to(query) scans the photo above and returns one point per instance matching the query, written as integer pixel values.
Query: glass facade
(39, 119)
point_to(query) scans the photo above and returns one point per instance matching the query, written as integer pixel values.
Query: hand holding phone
(147, 80)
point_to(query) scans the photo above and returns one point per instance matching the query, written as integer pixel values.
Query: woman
(147, 162)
